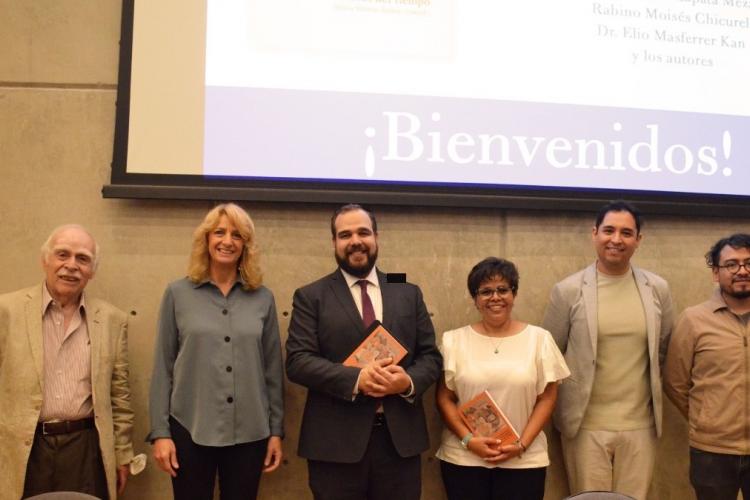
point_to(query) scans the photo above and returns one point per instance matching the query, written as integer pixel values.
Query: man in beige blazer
(612, 322)
(66, 418)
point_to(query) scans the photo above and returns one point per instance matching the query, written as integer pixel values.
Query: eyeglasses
(734, 267)
(487, 293)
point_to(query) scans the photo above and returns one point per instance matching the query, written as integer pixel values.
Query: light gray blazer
(571, 318)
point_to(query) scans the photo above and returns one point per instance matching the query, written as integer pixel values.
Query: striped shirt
(67, 363)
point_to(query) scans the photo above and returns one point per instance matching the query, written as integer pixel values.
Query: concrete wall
(58, 70)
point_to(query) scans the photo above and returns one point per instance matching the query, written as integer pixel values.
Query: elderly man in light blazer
(612, 322)
(66, 421)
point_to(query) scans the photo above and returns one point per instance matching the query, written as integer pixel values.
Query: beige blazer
(571, 318)
(21, 379)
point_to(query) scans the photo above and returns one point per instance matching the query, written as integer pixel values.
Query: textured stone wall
(58, 73)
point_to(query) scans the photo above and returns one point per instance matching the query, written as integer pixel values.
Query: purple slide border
(316, 135)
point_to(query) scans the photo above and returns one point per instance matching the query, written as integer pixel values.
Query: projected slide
(638, 95)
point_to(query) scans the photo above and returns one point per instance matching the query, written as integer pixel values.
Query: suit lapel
(94, 325)
(589, 298)
(34, 331)
(647, 299)
(388, 300)
(344, 296)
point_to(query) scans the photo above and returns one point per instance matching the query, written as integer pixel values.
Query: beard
(357, 270)
(736, 294)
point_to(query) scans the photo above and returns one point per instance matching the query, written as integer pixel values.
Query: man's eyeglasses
(734, 267)
(501, 291)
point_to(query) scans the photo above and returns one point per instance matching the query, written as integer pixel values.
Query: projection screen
(436, 101)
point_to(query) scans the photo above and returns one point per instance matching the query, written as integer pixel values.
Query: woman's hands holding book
(493, 450)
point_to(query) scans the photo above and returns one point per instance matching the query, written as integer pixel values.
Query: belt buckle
(44, 428)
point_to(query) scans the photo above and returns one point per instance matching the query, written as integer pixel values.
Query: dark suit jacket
(325, 328)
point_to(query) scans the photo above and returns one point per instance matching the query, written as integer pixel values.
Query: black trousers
(382, 474)
(480, 483)
(66, 462)
(718, 476)
(239, 468)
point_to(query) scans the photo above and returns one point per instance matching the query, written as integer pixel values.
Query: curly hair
(200, 260)
(736, 241)
(489, 268)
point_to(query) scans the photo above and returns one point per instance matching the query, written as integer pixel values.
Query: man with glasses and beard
(706, 375)
(363, 429)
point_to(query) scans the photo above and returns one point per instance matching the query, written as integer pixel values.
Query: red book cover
(379, 344)
(485, 418)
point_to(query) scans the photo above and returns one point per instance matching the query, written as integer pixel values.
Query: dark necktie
(368, 312)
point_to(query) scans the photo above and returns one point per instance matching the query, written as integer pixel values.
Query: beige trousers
(621, 461)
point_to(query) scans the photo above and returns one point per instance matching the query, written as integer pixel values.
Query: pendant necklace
(497, 346)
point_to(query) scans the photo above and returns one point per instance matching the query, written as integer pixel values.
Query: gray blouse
(217, 365)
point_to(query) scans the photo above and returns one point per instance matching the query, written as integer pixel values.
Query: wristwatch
(521, 446)
(465, 440)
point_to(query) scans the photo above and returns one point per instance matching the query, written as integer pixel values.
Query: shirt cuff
(158, 434)
(409, 396)
(355, 390)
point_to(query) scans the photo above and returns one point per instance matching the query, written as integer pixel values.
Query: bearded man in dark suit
(363, 429)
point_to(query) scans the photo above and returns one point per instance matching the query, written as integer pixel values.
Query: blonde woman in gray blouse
(216, 402)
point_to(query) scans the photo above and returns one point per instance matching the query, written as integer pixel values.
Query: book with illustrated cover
(379, 344)
(485, 418)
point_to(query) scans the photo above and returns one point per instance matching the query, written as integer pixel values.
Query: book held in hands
(485, 418)
(379, 344)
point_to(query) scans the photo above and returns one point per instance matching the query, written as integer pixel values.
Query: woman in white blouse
(520, 366)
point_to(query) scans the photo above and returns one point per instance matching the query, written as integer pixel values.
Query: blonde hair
(248, 267)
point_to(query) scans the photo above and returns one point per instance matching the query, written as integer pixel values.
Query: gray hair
(47, 245)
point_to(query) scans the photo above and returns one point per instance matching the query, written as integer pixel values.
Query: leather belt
(65, 426)
(379, 419)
